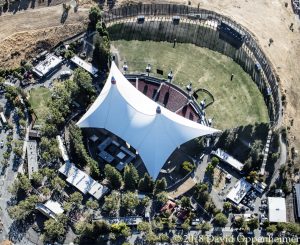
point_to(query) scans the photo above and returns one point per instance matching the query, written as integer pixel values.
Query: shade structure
(154, 131)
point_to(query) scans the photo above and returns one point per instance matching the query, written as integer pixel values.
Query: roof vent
(113, 80)
(158, 110)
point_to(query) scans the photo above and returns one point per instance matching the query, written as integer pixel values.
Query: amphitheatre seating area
(174, 101)
(168, 96)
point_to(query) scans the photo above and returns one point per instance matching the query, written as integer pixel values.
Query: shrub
(187, 166)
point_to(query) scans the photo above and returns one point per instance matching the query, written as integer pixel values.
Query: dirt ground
(24, 33)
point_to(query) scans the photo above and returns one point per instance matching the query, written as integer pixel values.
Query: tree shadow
(64, 17)
(18, 229)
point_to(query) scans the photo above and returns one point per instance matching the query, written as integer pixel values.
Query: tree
(21, 183)
(145, 201)
(79, 150)
(112, 202)
(113, 176)
(176, 239)
(130, 201)
(215, 161)
(227, 206)
(74, 201)
(163, 237)
(101, 29)
(239, 222)
(58, 183)
(101, 52)
(157, 225)
(280, 226)
(92, 204)
(187, 166)
(121, 229)
(221, 220)
(37, 178)
(252, 224)
(162, 197)
(45, 191)
(146, 184)
(271, 229)
(210, 168)
(84, 228)
(252, 176)
(151, 238)
(85, 85)
(49, 149)
(186, 225)
(160, 185)
(101, 227)
(293, 228)
(131, 177)
(54, 229)
(95, 14)
(185, 202)
(205, 227)
(24, 208)
(144, 226)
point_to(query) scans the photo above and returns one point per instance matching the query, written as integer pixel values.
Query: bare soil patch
(23, 34)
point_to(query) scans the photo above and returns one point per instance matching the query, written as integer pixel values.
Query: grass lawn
(38, 99)
(237, 102)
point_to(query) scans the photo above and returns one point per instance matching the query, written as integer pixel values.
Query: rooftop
(277, 209)
(83, 182)
(62, 149)
(51, 209)
(238, 191)
(32, 157)
(228, 159)
(85, 65)
(50, 62)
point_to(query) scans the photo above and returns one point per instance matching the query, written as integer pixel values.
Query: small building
(34, 134)
(85, 65)
(62, 149)
(32, 163)
(297, 197)
(50, 63)
(51, 209)
(239, 191)
(277, 209)
(168, 207)
(225, 157)
(83, 182)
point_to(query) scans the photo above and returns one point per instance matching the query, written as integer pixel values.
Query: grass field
(38, 99)
(237, 102)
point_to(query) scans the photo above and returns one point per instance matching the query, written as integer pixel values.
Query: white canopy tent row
(154, 131)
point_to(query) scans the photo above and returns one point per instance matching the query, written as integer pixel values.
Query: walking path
(280, 162)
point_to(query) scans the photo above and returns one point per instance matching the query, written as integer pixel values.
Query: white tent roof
(153, 131)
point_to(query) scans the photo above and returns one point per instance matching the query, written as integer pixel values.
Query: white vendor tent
(154, 131)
